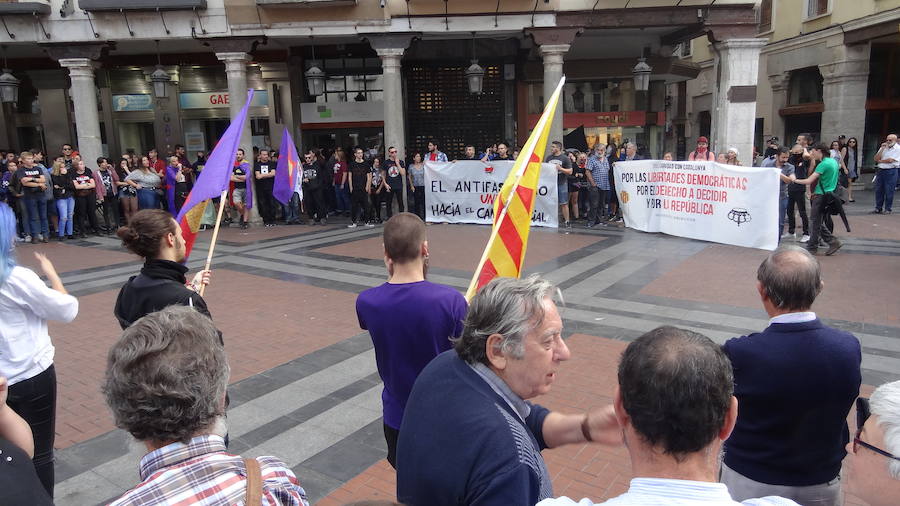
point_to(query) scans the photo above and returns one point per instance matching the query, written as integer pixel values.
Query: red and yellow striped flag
(505, 251)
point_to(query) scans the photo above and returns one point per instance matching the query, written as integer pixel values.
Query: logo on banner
(624, 197)
(489, 169)
(739, 215)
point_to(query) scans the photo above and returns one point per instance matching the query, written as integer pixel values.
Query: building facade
(114, 76)
(828, 68)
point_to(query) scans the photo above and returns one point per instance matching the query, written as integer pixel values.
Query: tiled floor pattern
(305, 385)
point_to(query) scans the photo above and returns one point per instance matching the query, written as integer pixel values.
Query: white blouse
(26, 303)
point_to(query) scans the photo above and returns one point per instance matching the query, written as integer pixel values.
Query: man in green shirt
(822, 180)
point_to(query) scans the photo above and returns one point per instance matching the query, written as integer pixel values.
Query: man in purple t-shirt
(406, 340)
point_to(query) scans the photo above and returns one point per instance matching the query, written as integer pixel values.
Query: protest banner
(464, 192)
(701, 200)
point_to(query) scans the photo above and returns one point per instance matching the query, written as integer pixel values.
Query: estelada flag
(286, 172)
(214, 179)
(505, 251)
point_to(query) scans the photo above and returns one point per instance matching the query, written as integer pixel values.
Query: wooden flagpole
(215, 236)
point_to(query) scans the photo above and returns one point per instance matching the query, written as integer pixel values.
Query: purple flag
(286, 173)
(171, 181)
(214, 179)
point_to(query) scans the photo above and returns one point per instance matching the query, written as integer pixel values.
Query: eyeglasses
(862, 414)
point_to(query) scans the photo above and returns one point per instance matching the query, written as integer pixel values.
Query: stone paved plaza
(304, 383)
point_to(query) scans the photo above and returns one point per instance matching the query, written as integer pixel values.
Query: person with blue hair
(26, 352)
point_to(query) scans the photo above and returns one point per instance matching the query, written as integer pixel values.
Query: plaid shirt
(201, 473)
(599, 167)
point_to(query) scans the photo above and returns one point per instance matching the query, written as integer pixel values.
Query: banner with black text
(701, 200)
(464, 192)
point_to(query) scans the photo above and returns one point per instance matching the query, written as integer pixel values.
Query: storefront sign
(342, 112)
(123, 103)
(701, 200)
(217, 99)
(606, 119)
(194, 141)
(464, 192)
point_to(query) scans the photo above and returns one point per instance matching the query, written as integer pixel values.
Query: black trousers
(375, 200)
(389, 197)
(86, 209)
(597, 200)
(359, 205)
(797, 199)
(819, 223)
(34, 400)
(111, 213)
(419, 201)
(315, 203)
(391, 435)
(266, 202)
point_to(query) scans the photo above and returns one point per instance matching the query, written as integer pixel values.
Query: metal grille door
(440, 108)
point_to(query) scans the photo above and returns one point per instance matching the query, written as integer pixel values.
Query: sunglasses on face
(862, 414)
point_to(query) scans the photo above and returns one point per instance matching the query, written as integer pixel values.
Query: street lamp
(475, 74)
(9, 87)
(160, 78)
(315, 77)
(641, 73)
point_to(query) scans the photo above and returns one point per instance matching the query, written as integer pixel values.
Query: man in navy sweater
(795, 383)
(469, 436)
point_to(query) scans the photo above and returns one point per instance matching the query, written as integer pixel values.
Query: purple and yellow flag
(287, 171)
(214, 179)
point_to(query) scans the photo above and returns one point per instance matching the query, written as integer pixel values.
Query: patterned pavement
(304, 383)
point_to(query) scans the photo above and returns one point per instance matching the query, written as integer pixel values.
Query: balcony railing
(140, 5)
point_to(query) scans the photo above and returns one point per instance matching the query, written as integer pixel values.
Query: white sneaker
(27, 238)
(805, 238)
(352, 225)
(786, 235)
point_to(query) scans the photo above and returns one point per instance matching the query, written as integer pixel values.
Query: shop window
(805, 86)
(816, 8)
(884, 71)
(582, 96)
(765, 16)
(352, 80)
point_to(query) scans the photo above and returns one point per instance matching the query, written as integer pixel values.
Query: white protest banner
(464, 192)
(701, 200)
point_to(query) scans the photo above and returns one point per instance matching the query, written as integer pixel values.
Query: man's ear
(730, 419)
(494, 352)
(762, 291)
(425, 249)
(619, 408)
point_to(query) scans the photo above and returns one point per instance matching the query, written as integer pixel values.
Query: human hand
(4, 390)
(201, 279)
(604, 427)
(413, 189)
(46, 264)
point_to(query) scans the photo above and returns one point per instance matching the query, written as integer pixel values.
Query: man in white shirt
(675, 406)
(888, 160)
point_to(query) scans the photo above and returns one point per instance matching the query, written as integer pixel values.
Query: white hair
(885, 404)
(736, 154)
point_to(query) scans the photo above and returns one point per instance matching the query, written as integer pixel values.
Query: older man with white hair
(872, 465)
(469, 435)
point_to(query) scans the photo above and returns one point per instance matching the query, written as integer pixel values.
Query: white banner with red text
(464, 192)
(701, 200)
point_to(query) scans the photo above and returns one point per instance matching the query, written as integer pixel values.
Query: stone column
(84, 98)
(779, 84)
(236, 71)
(844, 90)
(552, 55)
(734, 113)
(390, 49)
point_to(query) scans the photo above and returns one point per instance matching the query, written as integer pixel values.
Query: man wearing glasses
(67, 153)
(312, 189)
(872, 466)
(795, 383)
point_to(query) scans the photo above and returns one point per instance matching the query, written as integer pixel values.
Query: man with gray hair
(872, 466)
(795, 382)
(469, 435)
(165, 384)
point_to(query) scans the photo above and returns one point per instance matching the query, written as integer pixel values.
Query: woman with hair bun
(26, 352)
(155, 236)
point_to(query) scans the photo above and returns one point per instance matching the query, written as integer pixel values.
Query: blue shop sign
(123, 103)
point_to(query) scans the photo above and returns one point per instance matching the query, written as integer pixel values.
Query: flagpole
(495, 229)
(215, 236)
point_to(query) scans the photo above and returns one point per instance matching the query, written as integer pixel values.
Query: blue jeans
(37, 214)
(291, 210)
(342, 198)
(147, 199)
(65, 210)
(885, 182)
